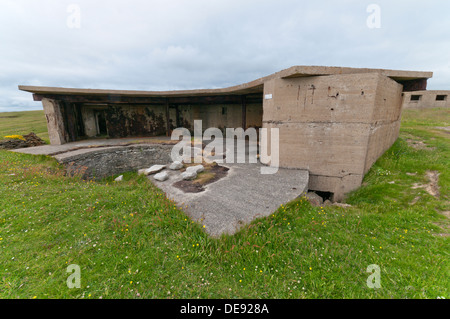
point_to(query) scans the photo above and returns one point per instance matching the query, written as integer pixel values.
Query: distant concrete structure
(333, 121)
(426, 99)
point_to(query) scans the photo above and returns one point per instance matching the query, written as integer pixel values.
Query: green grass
(130, 241)
(22, 123)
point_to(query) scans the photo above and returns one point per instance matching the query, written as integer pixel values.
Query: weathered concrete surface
(107, 161)
(239, 198)
(55, 122)
(90, 144)
(334, 126)
(426, 99)
(242, 196)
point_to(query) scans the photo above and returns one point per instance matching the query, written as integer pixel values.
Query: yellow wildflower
(16, 137)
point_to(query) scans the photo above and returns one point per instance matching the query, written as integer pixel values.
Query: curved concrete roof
(255, 86)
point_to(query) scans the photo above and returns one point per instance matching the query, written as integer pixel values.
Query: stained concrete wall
(132, 120)
(125, 120)
(334, 126)
(426, 99)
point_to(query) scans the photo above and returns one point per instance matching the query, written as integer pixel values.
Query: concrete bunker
(75, 117)
(426, 99)
(334, 122)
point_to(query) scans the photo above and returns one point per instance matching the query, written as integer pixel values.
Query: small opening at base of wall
(319, 198)
(325, 195)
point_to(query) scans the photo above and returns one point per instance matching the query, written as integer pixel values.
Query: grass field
(22, 123)
(130, 241)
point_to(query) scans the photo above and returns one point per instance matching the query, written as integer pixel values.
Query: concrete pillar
(90, 125)
(55, 122)
(244, 113)
(167, 118)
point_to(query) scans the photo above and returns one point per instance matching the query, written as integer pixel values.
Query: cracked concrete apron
(237, 199)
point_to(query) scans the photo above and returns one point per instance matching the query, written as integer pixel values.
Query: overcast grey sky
(164, 45)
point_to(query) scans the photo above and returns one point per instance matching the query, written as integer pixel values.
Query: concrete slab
(239, 198)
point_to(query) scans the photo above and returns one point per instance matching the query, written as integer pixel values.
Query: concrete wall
(90, 126)
(254, 115)
(132, 120)
(335, 126)
(220, 116)
(226, 115)
(386, 118)
(426, 99)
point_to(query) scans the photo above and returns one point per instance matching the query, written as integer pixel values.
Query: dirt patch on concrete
(211, 174)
